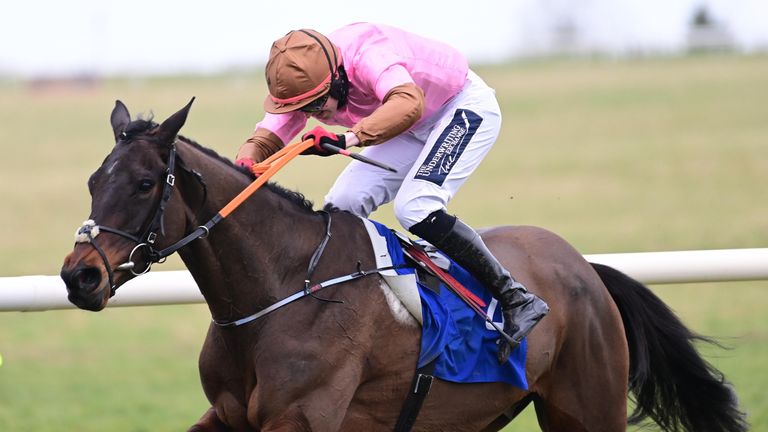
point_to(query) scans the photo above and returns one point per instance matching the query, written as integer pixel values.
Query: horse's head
(129, 194)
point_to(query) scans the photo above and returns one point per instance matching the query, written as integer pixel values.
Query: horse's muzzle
(85, 287)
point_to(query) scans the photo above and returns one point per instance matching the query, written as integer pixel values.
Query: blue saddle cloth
(463, 346)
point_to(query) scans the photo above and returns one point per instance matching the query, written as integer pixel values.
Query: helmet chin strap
(340, 87)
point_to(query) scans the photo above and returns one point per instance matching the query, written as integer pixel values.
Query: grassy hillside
(645, 155)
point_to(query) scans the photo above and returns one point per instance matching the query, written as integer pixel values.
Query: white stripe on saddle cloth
(403, 286)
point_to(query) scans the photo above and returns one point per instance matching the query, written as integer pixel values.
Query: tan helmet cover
(298, 70)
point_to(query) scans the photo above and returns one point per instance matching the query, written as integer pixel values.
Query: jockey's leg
(521, 309)
(467, 128)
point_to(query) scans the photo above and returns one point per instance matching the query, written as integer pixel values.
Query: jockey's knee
(411, 211)
(359, 203)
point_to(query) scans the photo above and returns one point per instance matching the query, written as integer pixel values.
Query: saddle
(460, 319)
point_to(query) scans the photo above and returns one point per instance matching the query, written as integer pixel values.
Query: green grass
(644, 155)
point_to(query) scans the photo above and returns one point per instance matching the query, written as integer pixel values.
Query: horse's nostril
(87, 278)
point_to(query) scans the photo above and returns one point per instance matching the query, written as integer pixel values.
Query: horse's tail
(670, 381)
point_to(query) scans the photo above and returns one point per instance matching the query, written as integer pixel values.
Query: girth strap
(420, 386)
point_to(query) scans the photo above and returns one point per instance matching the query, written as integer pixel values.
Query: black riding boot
(521, 310)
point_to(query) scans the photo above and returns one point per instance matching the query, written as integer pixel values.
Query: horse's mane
(142, 125)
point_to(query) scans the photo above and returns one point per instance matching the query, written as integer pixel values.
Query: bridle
(90, 229)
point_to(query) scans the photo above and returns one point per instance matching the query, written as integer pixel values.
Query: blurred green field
(615, 156)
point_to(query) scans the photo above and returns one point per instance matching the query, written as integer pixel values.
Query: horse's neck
(257, 254)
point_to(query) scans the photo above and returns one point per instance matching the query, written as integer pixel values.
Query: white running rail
(36, 293)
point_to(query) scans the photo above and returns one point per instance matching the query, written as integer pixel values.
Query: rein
(264, 170)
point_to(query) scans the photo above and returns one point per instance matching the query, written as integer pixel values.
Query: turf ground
(615, 156)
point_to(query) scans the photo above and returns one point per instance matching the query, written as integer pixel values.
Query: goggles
(316, 105)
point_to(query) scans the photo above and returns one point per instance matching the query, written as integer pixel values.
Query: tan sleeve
(261, 145)
(402, 107)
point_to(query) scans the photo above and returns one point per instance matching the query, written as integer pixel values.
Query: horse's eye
(146, 185)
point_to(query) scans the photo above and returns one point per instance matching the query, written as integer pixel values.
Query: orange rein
(264, 171)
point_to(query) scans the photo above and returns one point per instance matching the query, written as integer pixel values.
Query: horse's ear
(119, 119)
(168, 130)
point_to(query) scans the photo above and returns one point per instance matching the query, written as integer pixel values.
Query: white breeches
(432, 160)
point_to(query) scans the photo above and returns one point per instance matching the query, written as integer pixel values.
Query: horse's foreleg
(209, 422)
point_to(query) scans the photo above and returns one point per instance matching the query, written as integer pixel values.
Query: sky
(44, 38)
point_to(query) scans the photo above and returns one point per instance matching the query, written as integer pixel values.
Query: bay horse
(348, 364)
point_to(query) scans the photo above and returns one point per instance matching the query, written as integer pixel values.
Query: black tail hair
(671, 383)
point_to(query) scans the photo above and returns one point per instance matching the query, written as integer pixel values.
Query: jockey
(415, 105)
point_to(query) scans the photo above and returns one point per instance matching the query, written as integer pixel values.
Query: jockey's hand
(319, 135)
(247, 163)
